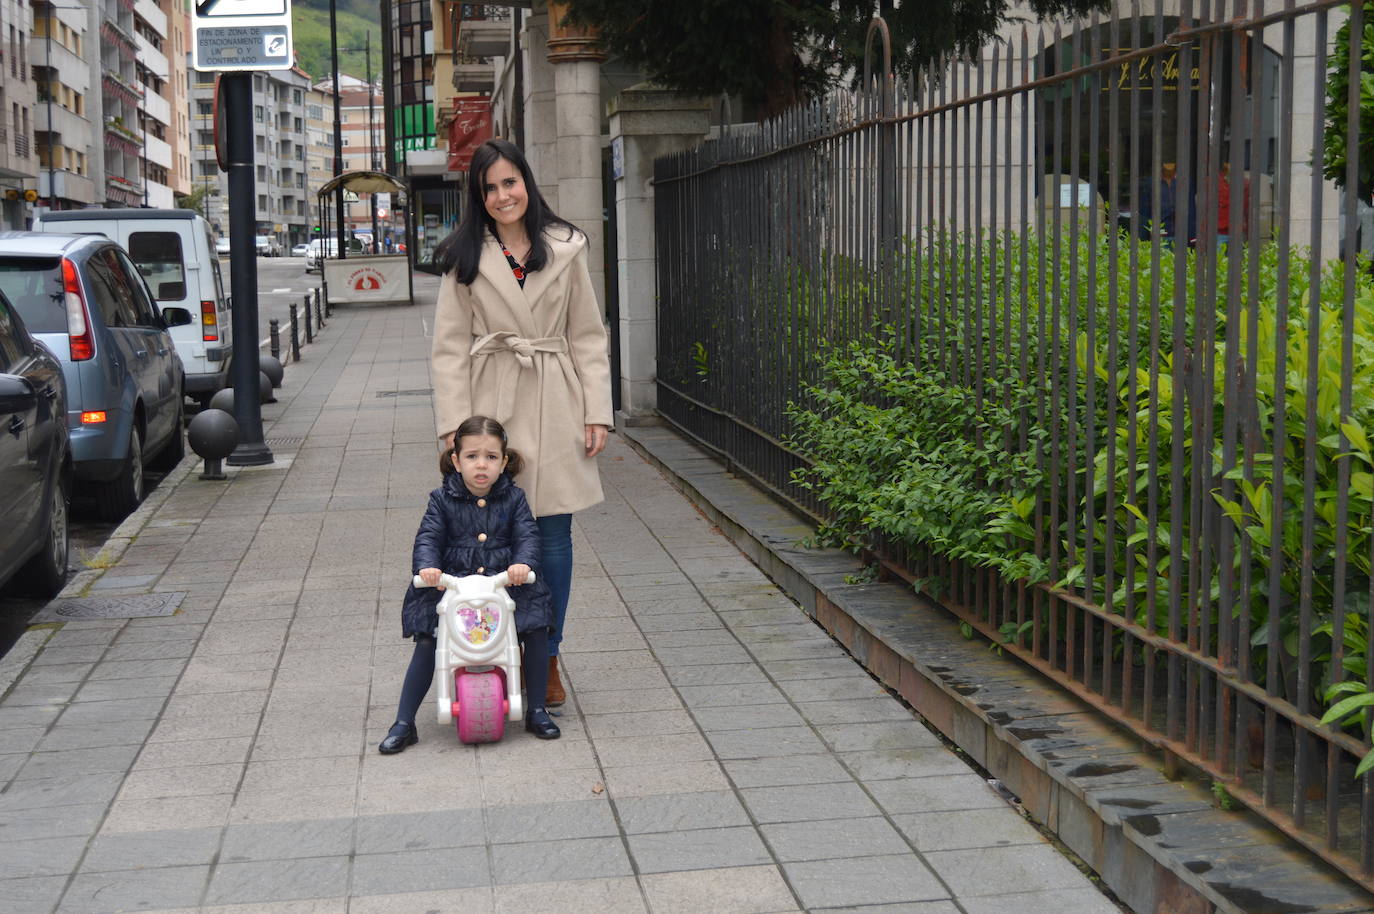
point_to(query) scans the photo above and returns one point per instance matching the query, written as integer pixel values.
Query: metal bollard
(295, 335)
(319, 311)
(328, 309)
(309, 336)
(275, 333)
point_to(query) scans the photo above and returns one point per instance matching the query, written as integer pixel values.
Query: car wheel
(47, 571)
(118, 497)
(171, 455)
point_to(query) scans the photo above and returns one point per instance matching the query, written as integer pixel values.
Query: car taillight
(209, 322)
(93, 417)
(78, 322)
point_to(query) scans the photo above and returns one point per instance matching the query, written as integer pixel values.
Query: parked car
(222, 246)
(84, 299)
(327, 248)
(298, 250)
(268, 246)
(35, 459)
(171, 248)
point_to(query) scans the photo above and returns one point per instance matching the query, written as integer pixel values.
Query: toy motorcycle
(477, 656)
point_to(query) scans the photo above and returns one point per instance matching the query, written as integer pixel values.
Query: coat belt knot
(523, 348)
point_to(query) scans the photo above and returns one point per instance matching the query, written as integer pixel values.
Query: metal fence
(1118, 327)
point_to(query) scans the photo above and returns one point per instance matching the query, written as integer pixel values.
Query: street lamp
(371, 123)
(47, 65)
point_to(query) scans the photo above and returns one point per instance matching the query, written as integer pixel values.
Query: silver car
(83, 298)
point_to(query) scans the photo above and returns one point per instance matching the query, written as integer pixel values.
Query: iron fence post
(295, 335)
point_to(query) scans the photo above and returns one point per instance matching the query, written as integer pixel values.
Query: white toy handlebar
(451, 582)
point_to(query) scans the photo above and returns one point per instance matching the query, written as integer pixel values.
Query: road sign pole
(252, 449)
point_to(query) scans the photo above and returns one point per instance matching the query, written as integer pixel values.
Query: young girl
(477, 522)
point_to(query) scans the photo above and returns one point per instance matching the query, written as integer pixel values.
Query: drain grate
(287, 440)
(114, 607)
(418, 392)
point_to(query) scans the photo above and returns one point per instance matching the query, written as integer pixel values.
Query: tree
(1338, 107)
(775, 53)
(195, 199)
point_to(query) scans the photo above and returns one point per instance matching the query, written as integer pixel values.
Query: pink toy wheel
(481, 697)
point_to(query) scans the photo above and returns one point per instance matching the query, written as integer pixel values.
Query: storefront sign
(470, 128)
(1144, 70)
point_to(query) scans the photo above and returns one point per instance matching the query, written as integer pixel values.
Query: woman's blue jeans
(556, 532)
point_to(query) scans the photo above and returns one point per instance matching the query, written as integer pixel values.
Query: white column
(578, 87)
(646, 123)
(541, 135)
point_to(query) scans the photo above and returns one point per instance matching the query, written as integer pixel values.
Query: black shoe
(398, 737)
(541, 725)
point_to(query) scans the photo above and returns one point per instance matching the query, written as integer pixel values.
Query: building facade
(284, 207)
(18, 95)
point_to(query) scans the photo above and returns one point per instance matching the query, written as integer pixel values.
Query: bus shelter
(356, 277)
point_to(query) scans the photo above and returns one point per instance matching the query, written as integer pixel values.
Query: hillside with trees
(310, 22)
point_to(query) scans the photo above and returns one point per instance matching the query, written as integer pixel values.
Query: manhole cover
(418, 392)
(118, 607)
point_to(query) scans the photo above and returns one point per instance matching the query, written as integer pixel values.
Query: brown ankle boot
(554, 696)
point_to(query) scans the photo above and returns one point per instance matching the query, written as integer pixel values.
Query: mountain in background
(310, 22)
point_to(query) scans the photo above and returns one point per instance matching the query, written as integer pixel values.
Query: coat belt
(524, 349)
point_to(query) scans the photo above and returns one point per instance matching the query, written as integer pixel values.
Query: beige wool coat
(535, 359)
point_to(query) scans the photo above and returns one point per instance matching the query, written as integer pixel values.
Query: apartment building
(319, 143)
(362, 128)
(18, 95)
(284, 206)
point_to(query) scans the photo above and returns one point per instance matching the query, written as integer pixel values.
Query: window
(112, 296)
(262, 202)
(204, 108)
(11, 350)
(159, 260)
(33, 286)
(258, 113)
(296, 97)
(145, 312)
(262, 172)
(314, 112)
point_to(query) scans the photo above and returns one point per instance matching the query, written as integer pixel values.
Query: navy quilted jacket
(448, 540)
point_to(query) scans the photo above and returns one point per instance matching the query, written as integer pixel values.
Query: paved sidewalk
(720, 753)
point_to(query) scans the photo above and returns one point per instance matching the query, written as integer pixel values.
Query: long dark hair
(462, 250)
(481, 425)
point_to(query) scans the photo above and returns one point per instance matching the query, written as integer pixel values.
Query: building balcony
(124, 191)
(70, 70)
(116, 86)
(157, 107)
(474, 77)
(120, 138)
(151, 57)
(150, 13)
(484, 37)
(158, 152)
(112, 34)
(160, 196)
(71, 128)
(68, 185)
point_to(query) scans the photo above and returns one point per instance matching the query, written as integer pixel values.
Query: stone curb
(1160, 845)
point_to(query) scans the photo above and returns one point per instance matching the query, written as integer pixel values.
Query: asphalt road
(282, 281)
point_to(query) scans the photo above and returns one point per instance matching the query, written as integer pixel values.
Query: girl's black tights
(420, 673)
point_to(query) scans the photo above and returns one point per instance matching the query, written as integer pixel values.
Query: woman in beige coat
(518, 336)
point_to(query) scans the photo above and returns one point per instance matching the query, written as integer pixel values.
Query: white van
(175, 252)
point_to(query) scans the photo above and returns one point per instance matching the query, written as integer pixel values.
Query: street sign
(235, 35)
